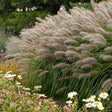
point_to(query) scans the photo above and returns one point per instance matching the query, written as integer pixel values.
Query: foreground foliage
(92, 104)
(9, 66)
(16, 98)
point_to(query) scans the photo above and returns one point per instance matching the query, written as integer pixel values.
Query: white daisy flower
(103, 95)
(88, 105)
(20, 77)
(100, 107)
(69, 102)
(71, 94)
(26, 88)
(90, 99)
(42, 95)
(18, 10)
(18, 83)
(19, 86)
(93, 96)
(8, 72)
(85, 100)
(96, 104)
(8, 76)
(13, 75)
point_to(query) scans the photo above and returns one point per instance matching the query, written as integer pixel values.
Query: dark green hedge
(50, 5)
(15, 21)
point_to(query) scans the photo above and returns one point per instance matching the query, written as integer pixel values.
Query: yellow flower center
(89, 104)
(96, 103)
(103, 94)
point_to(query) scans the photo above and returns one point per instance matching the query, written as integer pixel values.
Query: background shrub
(85, 5)
(15, 21)
(53, 6)
(3, 39)
(10, 20)
(2, 45)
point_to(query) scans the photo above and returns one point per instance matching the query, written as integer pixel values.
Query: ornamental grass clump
(68, 51)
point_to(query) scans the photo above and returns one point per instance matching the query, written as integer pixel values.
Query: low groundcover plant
(16, 98)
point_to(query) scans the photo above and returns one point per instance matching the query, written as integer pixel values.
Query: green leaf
(45, 1)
